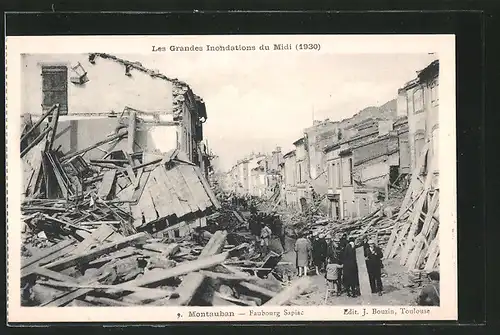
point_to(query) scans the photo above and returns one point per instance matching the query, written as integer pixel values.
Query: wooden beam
(188, 289)
(97, 252)
(35, 141)
(193, 282)
(261, 291)
(410, 240)
(131, 132)
(120, 134)
(53, 132)
(421, 239)
(364, 281)
(296, 288)
(38, 123)
(157, 277)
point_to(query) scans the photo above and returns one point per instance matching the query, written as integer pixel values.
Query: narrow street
(395, 290)
(137, 199)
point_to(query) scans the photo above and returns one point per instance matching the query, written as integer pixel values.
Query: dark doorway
(393, 174)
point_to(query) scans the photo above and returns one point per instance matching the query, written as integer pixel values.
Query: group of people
(337, 259)
(264, 227)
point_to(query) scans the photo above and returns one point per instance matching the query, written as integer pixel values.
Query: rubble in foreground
(133, 229)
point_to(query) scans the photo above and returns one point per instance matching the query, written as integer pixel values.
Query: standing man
(280, 231)
(265, 235)
(374, 265)
(350, 269)
(303, 252)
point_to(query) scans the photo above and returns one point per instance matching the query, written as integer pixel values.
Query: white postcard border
(443, 45)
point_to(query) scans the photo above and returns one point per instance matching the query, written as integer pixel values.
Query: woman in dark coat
(319, 252)
(350, 270)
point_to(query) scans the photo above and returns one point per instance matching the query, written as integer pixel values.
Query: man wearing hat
(374, 265)
(319, 251)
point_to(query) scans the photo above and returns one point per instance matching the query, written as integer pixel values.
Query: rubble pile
(109, 269)
(133, 229)
(415, 236)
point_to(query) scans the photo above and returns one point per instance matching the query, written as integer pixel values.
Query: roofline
(298, 141)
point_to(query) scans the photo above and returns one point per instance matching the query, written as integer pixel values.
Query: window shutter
(55, 87)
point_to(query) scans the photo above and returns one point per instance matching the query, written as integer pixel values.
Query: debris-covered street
(112, 220)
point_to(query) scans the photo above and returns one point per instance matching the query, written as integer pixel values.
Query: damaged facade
(116, 131)
(256, 175)
(169, 115)
(351, 165)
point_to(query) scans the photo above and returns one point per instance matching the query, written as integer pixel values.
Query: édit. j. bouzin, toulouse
(208, 47)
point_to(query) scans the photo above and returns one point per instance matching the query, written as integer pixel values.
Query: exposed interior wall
(108, 88)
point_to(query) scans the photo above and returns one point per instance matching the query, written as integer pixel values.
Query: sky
(257, 101)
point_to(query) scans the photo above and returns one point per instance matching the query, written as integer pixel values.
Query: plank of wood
(55, 275)
(433, 254)
(147, 206)
(215, 244)
(228, 276)
(158, 196)
(181, 189)
(30, 269)
(169, 156)
(124, 253)
(97, 252)
(421, 239)
(410, 240)
(198, 196)
(261, 291)
(32, 164)
(296, 288)
(235, 301)
(162, 193)
(98, 236)
(187, 290)
(108, 180)
(107, 301)
(420, 243)
(143, 180)
(66, 298)
(179, 208)
(364, 281)
(414, 179)
(131, 175)
(397, 227)
(213, 247)
(165, 249)
(148, 296)
(207, 187)
(218, 301)
(156, 278)
(67, 245)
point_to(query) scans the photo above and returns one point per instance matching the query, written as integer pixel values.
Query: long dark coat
(374, 261)
(319, 248)
(350, 266)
